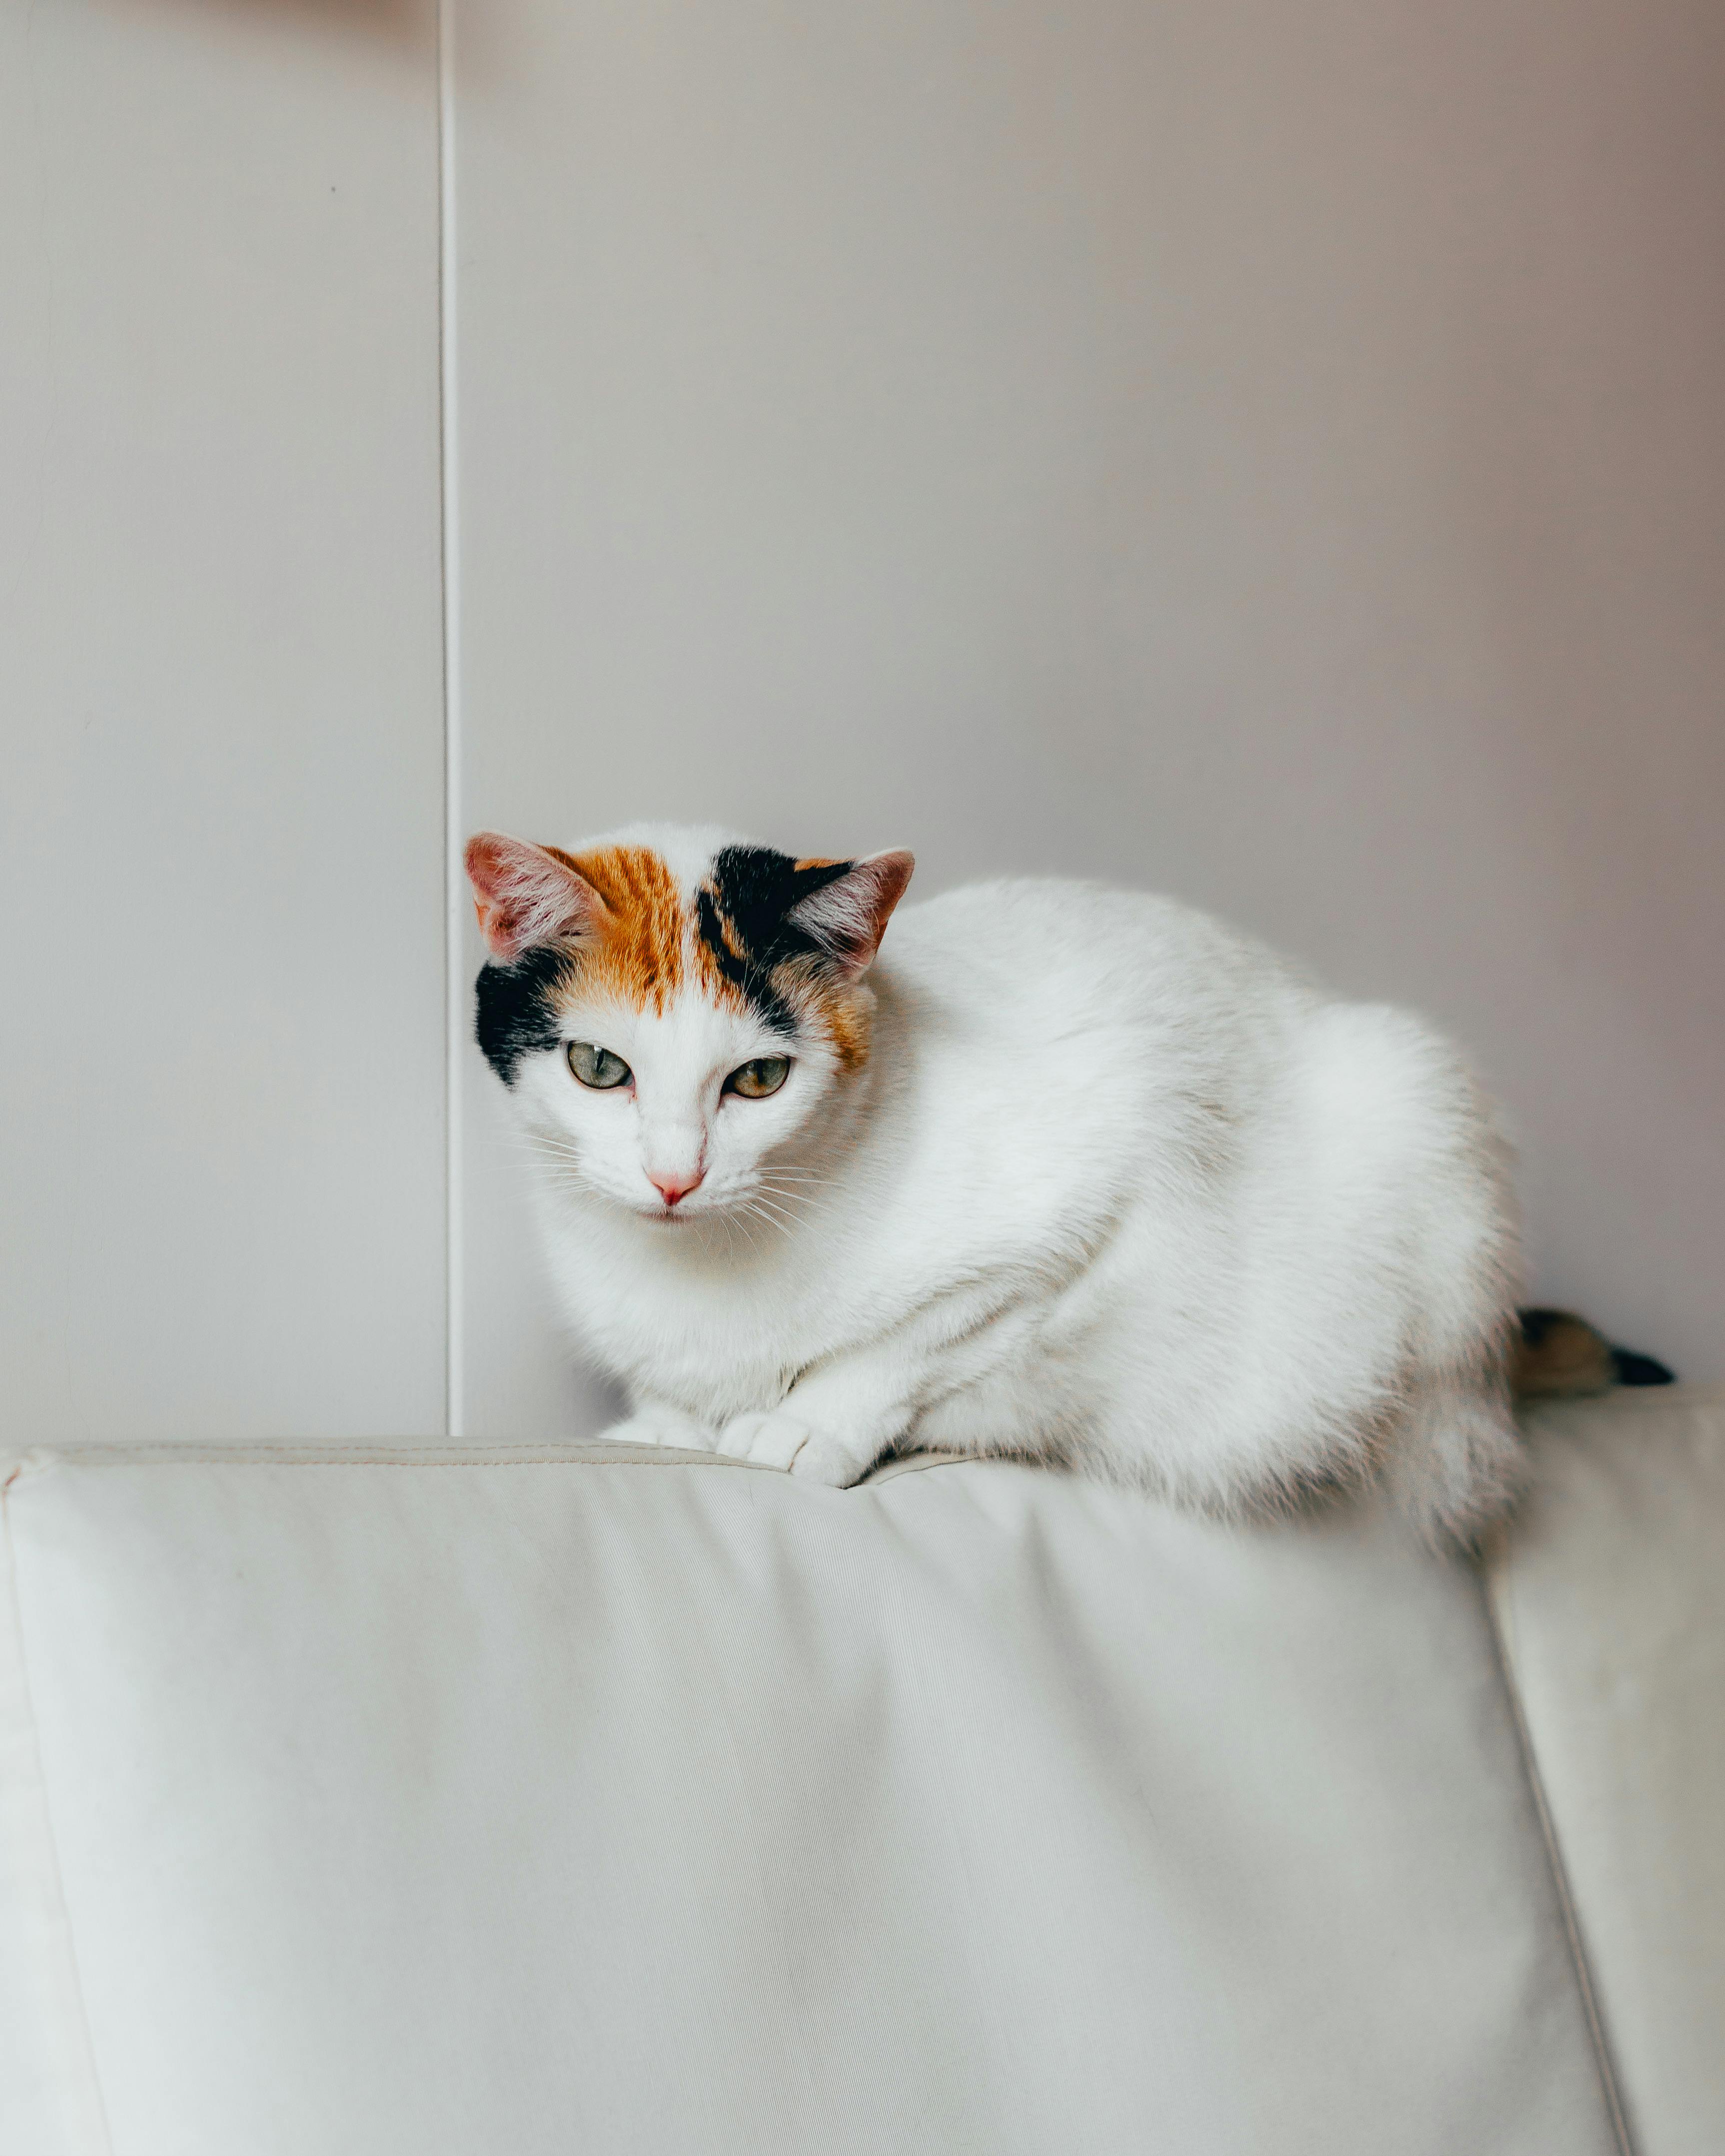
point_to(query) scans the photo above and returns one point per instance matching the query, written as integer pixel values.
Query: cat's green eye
(597, 1067)
(756, 1080)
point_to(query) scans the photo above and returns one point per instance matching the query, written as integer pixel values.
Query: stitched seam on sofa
(54, 1881)
(169, 1455)
(1603, 2061)
(165, 1453)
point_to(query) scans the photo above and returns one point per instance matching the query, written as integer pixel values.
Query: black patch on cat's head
(753, 889)
(513, 1013)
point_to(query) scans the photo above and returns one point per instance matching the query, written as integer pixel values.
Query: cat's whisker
(547, 1146)
(757, 1211)
(803, 1194)
(788, 1198)
(787, 1217)
(563, 1172)
(767, 1208)
(548, 1141)
(554, 1155)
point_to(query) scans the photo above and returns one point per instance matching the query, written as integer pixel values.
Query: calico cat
(1068, 1173)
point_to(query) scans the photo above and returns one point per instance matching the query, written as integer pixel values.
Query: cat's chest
(701, 1335)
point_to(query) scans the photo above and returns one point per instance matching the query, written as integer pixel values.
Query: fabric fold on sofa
(1609, 1596)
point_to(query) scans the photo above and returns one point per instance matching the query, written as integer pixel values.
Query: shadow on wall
(490, 41)
(408, 25)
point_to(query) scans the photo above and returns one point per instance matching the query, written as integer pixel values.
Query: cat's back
(1045, 1049)
(1062, 958)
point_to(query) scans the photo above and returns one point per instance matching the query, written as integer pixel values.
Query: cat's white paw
(834, 1461)
(659, 1425)
(781, 1438)
(770, 1440)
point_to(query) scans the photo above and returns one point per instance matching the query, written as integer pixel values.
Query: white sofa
(399, 1800)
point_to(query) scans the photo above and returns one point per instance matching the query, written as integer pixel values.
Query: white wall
(221, 1094)
(1272, 452)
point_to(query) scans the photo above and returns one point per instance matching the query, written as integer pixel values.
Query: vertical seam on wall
(55, 1882)
(449, 501)
(1603, 2061)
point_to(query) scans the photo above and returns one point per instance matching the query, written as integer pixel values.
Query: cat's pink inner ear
(848, 916)
(526, 895)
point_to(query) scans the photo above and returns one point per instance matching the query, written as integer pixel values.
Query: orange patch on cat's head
(844, 1015)
(636, 953)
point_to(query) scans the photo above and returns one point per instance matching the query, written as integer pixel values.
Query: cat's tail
(1459, 1467)
(1557, 1355)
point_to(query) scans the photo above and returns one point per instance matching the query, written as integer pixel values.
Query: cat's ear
(525, 895)
(848, 916)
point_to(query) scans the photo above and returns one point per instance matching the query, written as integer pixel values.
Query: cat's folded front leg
(833, 1426)
(656, 1422)
(843, 1414)
(783, 1437)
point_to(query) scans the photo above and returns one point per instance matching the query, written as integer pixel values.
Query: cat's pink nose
(671, 1187)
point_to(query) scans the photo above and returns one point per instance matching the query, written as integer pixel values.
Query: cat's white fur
(1115, 1188)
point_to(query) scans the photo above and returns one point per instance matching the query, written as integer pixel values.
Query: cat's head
(670, 1007)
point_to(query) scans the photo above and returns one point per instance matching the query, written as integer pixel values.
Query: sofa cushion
(1611, 1600)
(415, 1802)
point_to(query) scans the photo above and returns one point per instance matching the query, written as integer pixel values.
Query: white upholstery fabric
(670, 1807)
(1611, 1598)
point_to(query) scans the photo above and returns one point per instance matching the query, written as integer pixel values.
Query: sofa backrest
(406, 1800)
